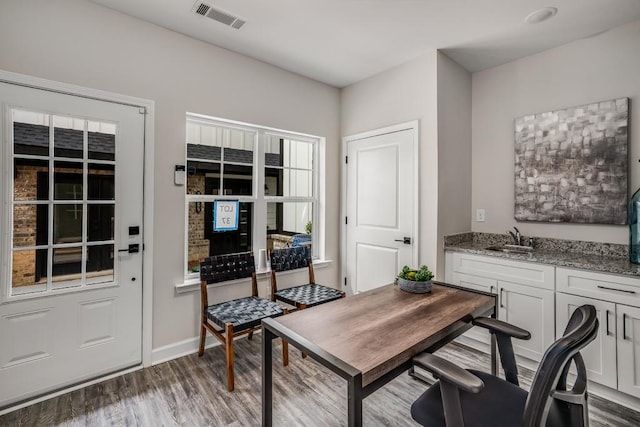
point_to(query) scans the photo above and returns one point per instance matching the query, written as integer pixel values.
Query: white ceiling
(340, 42)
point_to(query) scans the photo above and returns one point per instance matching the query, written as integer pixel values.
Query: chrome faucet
(517, 237)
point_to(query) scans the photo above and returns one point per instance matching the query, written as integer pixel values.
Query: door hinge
(345, 281)
(346, 220)
(346, 159)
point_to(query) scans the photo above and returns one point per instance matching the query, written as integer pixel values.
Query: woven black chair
(237, 317)
(474, 398)
(302, 296)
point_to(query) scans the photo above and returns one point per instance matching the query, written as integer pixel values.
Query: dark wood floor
(191, 391)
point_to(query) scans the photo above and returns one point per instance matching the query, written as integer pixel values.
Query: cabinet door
(531, 309)
(628, 349)
(479, 284)
(599, 356)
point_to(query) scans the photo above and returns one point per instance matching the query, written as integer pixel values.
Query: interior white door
(72, 193)
(381, 200)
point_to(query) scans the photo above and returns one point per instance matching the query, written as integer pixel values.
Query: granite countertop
(601, 257)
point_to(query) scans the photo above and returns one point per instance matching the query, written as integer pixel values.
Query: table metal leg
(267, 377)
(354, 408)
(494, 359)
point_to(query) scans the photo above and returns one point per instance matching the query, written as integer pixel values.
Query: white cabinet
(525, 297)
(531, 309)
(477, 283)
(599, 356)
(628, 321)
(613, 358)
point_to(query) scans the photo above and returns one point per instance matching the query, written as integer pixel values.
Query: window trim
(259, 200)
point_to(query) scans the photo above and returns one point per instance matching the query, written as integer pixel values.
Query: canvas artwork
(571, 165)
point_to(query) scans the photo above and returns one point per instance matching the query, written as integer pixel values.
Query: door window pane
(67, 223)
(30, 133)
(100, 264)
(30, 225)
(28, 271)
(30, 179)
(102, 141)
(67, 267)
(101, 182)
(100, 222)
(68, 137)
(67, 181)
(81, 213)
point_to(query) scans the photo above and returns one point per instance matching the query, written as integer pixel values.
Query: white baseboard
(180, 349)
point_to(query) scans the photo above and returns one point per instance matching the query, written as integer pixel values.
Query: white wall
(454, 152)
(602, 67)
(404, 93)
(78, 42)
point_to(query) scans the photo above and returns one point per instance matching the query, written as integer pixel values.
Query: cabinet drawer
(477, 283)
(620, 289)
(525, 273)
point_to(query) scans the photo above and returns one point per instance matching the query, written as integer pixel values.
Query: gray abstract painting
(571, 165)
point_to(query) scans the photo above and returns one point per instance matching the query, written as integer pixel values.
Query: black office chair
(474, 398)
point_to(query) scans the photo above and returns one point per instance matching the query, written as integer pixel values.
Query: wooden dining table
(369, 338)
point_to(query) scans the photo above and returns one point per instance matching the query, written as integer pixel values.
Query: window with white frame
(273, 175)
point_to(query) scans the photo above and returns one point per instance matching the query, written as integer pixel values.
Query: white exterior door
(72, 197)
(381, 200)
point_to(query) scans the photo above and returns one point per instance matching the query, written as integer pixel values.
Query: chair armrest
(498, 326)
(444, 370)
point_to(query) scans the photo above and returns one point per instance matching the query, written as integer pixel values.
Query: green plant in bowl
(415, 281)
(421, 275)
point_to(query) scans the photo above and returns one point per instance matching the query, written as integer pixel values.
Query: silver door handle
(405, 240)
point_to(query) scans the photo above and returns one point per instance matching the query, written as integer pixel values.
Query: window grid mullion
(51, 204)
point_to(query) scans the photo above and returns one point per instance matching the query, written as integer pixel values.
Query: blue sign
(225, 215)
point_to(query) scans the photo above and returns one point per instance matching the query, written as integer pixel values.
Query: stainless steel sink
(511, 249)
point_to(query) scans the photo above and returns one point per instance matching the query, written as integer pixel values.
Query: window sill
(193, 284)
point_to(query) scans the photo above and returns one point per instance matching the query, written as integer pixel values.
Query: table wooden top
(378, 330)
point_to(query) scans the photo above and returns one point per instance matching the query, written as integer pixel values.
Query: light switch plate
(480, 215)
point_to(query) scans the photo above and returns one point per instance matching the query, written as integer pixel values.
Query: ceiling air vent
(218, 15)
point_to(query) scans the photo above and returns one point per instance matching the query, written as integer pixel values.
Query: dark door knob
(405, 240)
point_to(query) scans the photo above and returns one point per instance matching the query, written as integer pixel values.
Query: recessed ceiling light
(540, 15)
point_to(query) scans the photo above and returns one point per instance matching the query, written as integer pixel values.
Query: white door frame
(148, 181)
(414, 126)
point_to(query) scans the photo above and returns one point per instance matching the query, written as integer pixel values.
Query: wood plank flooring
(191, 391)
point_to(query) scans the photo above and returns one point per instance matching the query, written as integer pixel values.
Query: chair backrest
(551, 374)
(221, 268)
(291, 258)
